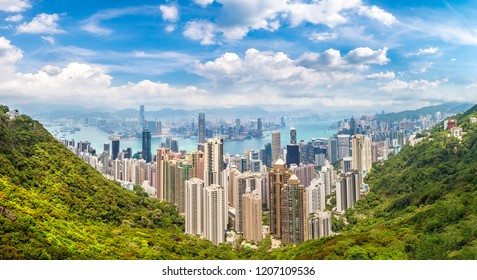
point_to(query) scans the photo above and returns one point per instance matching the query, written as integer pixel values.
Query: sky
(310, 55)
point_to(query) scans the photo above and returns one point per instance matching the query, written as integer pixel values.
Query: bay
(306, 130)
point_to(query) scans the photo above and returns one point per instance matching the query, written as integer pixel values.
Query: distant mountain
(451, 107)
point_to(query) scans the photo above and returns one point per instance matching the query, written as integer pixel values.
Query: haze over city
(279, 55)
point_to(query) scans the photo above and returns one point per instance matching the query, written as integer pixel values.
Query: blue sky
(322, 55)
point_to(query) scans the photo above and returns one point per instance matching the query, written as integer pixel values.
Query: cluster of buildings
(291, 185)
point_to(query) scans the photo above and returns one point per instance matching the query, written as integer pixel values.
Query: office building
(293, 155)
(142, 122)
(201, 126)
(146, 145)
(276, 146)
(332, 150)
(292, 136)
(115, 148)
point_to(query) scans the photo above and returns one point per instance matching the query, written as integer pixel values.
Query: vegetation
(55, 206)
(422, 205)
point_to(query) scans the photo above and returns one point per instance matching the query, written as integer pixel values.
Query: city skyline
(314, 55)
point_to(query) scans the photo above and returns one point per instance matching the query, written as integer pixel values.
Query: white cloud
(414, 85)
(48, 39)
(41, 24)
(202, 31)
(324, 36)
(359, 58)
(14, 18)
(170, 28)
(378, 14)
(14, 6)
(9, 54)
(430, 50)
(381, 75)
(203, 3)
(239, 17)
(169, 13)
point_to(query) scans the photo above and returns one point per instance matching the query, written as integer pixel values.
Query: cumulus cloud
(388, 75)
(324, 36)
(239, 17)
(14, 18)
(430, 50)
(202, 31)
(9, 55)
(169, 13)
(203, 3)
(378, 14)
(14, 6)
(41, 24)
(359, 58)
(414, 85)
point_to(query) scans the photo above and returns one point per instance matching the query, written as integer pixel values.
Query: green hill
(55, 206)
(422, 205)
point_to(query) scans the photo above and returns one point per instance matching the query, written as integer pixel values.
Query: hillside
(55, 206)
(451, 108)
(422, 205)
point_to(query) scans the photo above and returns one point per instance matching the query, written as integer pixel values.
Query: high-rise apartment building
(194, 206)
(319, 225)
(276, 146)
(215, 213)
(214, 161)
(343, 146)
(316, 196)
(347, 191)
(245, 181)
(293, 212)
(361, 148)
(252, 216)
(278, 177)
(201, 126)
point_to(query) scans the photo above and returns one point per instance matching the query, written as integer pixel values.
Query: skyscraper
(259, 127)
(316, 196)
(319, 225)
(293, 213)
(343, 146)
(142, 122)
(332, 150)
(215, 213)
(194, 220)
(292, 136)
(268, 155)
(276, 146)
(347, 191)
(293, 155)
(214, 161)
(278, 177)
(201, 127)
(115, 148)
(252, 216)
(361, 148)
(146, 145)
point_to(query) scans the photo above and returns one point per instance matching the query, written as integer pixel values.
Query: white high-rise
(214, 161)
(276, 146)
(215, 213)
(319, 225)
(361, 148)
(194, 203)
(316, 196)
